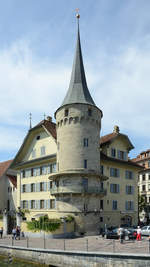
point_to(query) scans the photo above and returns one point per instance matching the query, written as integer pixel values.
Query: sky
(37, 45)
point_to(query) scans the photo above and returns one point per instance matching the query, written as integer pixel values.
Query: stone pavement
(87, 243)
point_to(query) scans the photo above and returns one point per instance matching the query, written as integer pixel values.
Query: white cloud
(27, 86)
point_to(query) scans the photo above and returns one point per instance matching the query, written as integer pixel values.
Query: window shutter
(45, 186)
(113, 205)
(111, 188)
(48, 204)
(126, 189)
(48, 186)
(29, 204)
(21, 204)
(118, 153)
(54, 203)
(28, 188)
(21, 188)
(132, 205)
(132, 190)
(117, 188)
(126, 205)
(111, 171)
(118, 173)
(125, 155)
(38, 204)
(38, 187)
(45, 204)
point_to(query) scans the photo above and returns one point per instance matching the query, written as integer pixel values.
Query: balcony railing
(77, 190)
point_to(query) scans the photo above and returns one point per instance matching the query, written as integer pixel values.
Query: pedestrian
(121, 234)
(138, 236)
(1, 232)
(18, 232)
(14, 233)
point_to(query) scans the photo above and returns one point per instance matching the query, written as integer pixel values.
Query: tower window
(38, 137)
(85, 164)
(66, 112)
(85, 142)
(90, 112)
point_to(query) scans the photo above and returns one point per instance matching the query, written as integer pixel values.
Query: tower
(78, 180)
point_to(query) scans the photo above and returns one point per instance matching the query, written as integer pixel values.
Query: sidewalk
(91, 243)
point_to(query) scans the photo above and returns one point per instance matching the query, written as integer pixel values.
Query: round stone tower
(78, 182)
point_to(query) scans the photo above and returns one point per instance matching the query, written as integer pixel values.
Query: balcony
(78, 190)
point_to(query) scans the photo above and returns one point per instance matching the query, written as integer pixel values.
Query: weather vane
(77, 13)
(30, 118)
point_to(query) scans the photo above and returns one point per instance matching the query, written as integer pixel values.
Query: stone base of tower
(80, 195)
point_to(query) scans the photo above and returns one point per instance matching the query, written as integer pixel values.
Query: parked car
(145, 230)
(129, 234)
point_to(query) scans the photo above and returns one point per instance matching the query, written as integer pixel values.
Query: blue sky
(37, 43)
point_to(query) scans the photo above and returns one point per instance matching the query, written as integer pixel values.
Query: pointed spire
(78, 91)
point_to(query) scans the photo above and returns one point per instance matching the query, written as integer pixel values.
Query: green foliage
(69, 218)
(45, 224)
(24, 211)
(142, 203)
(1, 216)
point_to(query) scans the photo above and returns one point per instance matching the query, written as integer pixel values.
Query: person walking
(138, 237)
(18, 232)
(1, 232)
(14, 232)
(121, 234)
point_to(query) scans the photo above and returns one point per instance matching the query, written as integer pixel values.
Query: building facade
(144, 183)
(120, 205)
(8, 188)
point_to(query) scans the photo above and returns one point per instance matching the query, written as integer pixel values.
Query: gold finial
(77, 13)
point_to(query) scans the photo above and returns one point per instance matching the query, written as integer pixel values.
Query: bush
(45, 224)
(69, 218)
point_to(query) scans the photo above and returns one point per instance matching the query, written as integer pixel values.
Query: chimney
(49, 118)
(116, 129)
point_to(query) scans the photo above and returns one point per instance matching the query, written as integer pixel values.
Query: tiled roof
(49, 125)
(13, 180)
(109, 137)
(128, 162)
(106, 138)
(4, 166)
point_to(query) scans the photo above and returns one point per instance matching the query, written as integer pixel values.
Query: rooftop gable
(45, 125)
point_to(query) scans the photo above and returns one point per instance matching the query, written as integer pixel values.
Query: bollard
(64, 244)
(27, 242)
(87, 244)
(113, 245)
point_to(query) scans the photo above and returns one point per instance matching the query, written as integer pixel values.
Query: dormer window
(90, 112)
(113, 152)
(66, 112)
(122, 155)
